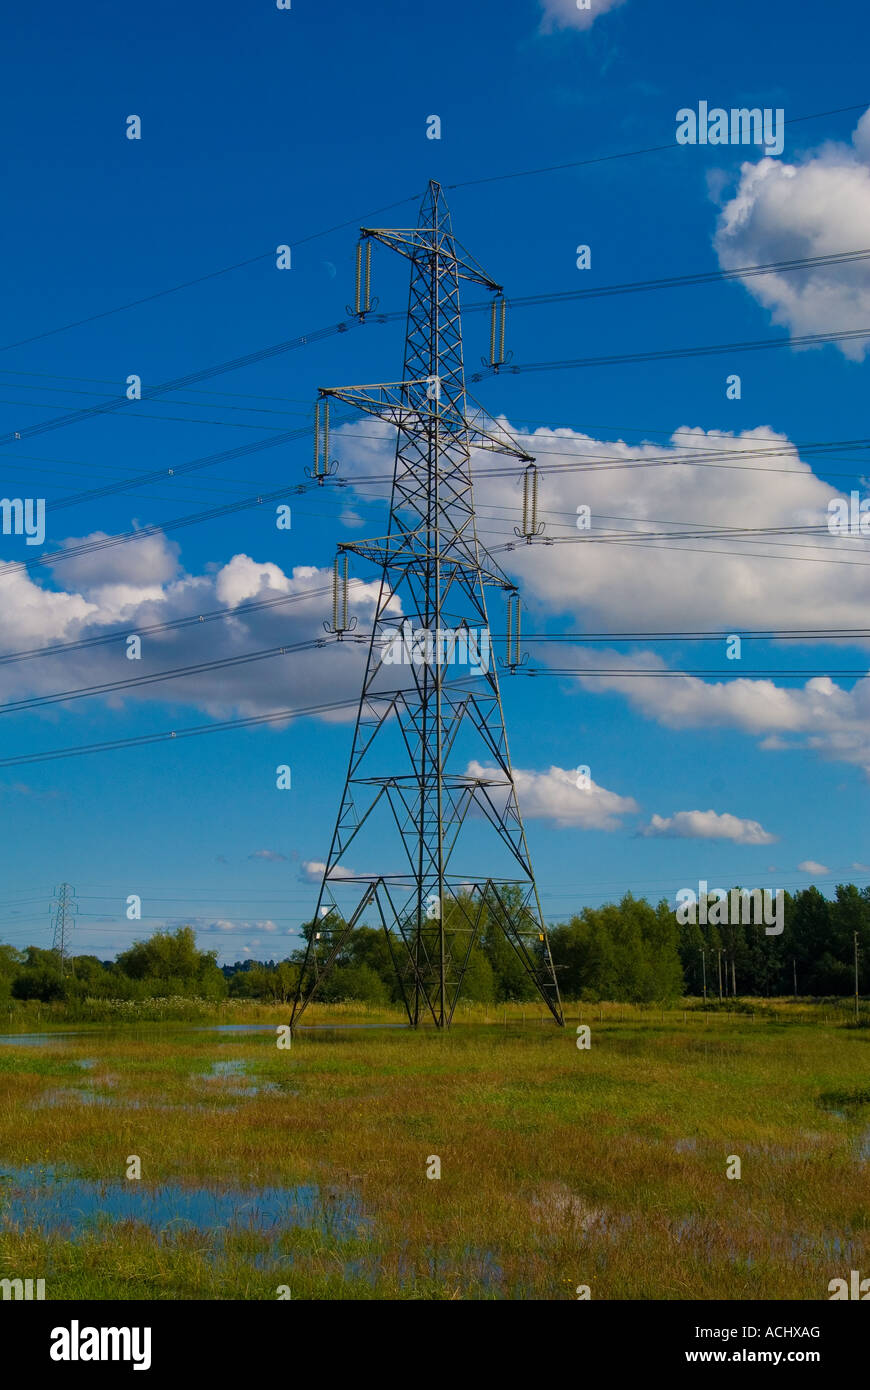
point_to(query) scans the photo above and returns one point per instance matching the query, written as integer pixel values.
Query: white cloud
(271, 856)
(117, 595)
(313, 871)
(819, 715)
(224, 924)
(714, 585)
(567, 14)
(816, 206)
(708, 825)
(554, 795)
(810, 866)
(243, 579)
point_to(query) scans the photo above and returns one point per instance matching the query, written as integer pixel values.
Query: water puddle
(234, 1075)
(301, 1028)
(54, 1201)
(34, 1039)
(74, 1096)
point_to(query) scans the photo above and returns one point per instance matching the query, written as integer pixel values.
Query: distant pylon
(430, 775)
(64, 914)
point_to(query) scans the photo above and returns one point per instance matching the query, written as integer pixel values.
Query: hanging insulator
(340, 621)
(515, 657)
(363, 301)
(530, 527)
(324, 466)
(367, 291)
(336, 585)
(497, 356)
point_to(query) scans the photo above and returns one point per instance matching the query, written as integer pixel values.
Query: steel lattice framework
(429, 761)
(64, 915)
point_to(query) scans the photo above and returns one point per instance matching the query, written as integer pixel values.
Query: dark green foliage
(628, 951)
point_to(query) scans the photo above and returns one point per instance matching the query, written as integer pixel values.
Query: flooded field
(501, 1161)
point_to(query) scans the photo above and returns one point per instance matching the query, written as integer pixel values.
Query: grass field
(306, 1168)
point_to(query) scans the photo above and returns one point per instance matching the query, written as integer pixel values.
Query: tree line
(630, 951)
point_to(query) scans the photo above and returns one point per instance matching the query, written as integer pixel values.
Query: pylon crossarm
(397, 405)
(417, 243)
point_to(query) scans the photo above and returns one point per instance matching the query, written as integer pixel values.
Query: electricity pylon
(63, 921)
(429, 762)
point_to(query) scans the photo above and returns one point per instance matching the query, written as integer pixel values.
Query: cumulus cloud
(704, 584)
(819, 715)
(223, 924)
(708, 825)
(123, 591)
(568, 14)
(816, 206)
(811, 866)
(271, 856)
(313, 871)
(554, 795)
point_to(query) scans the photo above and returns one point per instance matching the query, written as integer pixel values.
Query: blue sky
(263, 127)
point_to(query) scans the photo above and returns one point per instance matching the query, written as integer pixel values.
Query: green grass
(559, 1167)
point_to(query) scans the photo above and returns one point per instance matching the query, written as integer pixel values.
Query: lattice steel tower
(64, 915)
(430, 773)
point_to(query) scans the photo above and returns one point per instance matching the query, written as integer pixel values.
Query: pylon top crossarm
(391, 554)
(417, 244)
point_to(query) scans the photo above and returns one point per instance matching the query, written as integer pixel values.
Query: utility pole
(856, 976)
(719, 963)
(704, 971)
(733, 976)
(794, 975)
(429, 748)
(64, 914)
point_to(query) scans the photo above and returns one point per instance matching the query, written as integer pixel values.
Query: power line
(631, 154)
(276, 716)
(313, 236)
(669, 354)
(149, 629)
(317, 335)
(704, 277)
(200, 279)
(134, 682)
(176, 383)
